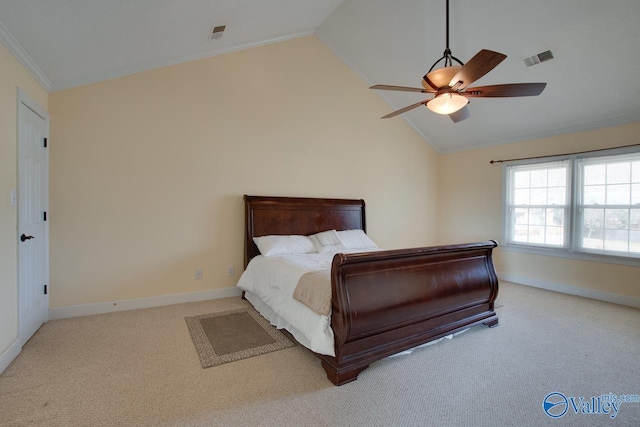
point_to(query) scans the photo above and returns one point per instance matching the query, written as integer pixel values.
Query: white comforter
(269, 283)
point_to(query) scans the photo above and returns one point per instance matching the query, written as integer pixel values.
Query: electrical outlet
(198, 274)
(231, 270)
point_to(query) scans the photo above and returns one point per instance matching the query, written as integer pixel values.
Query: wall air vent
(536, 59)
(217, 32)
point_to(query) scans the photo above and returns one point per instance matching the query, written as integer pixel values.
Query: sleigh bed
(382, 302)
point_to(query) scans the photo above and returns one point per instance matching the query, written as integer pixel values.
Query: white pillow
(284, 245)
(327, 241)
(356, 239)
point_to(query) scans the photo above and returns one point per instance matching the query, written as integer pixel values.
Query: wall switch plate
(14, 197)
(198, 274)
(231, 270)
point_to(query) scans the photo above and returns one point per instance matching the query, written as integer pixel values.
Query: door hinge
(44, 216)
(45, 143)
(46, 290)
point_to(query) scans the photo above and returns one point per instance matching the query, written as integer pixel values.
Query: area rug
(234, 335)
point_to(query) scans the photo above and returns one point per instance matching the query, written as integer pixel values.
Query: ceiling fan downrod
(448, 58)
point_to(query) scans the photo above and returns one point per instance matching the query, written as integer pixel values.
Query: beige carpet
(234, 335)
(140, 368)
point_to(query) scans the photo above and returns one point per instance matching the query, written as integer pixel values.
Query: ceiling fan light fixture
(447, 103)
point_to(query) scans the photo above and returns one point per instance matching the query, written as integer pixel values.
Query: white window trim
(570, 251)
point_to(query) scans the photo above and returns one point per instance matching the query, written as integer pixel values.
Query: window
(539, 204)
(579, 205)
(609, 205)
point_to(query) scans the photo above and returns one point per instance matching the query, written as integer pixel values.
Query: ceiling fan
(450, 84)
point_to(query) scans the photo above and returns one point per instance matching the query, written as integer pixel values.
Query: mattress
(269, 283)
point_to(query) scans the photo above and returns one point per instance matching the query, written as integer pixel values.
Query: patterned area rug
(234, 335)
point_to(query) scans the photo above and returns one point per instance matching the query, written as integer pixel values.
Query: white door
(33, 168)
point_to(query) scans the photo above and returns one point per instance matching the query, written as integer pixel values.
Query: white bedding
(269, 283)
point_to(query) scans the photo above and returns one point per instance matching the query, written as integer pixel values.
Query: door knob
(24, 237)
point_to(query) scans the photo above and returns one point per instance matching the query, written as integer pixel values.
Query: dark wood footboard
(389, 301)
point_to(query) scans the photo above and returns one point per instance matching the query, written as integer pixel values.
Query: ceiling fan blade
(460, 115)
(402, 88)
(405, 109)
(503, 91)
(483, 62)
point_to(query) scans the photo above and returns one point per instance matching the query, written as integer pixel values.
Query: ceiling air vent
(536, 59)
(217, 32)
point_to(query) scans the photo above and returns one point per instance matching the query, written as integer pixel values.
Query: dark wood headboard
(297, 215)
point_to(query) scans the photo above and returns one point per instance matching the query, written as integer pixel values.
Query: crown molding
(583, 127)
(138, 68)
(23, 57)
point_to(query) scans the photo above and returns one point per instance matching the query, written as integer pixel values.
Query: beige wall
(12, 76)
(470, 209)
(147, 172)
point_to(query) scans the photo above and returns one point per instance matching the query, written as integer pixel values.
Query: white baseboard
(134, 304)
(572, 290)
(9, 355)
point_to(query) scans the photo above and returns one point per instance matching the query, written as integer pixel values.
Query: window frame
(573, 226)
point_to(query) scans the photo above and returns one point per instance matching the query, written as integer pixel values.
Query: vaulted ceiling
(591, 82)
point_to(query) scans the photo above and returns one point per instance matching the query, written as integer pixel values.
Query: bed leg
(492, 323)
(340, 378)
